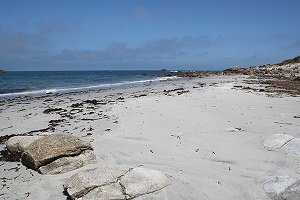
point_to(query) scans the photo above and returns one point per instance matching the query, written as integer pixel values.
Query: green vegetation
(290, 61)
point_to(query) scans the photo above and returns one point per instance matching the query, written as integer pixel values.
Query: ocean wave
(84, 88)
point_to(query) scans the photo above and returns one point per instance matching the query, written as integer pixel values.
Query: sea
(37, 83)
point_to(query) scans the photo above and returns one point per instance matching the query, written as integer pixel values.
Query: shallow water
(20, 83)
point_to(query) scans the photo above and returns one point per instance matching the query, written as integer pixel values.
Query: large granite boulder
(52, 153)
(276, 141)
(48, 148)
(282, 188)
(114, 183)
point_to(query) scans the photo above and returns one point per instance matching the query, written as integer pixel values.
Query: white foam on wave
(74, 89)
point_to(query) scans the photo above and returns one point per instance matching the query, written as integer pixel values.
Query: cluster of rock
(289, 69)
(52, 153)
(195, 73)
(282, 187)
(59, 153)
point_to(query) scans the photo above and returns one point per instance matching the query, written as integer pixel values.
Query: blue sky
(120, 34)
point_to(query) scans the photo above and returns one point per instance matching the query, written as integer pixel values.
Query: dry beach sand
(205, 134)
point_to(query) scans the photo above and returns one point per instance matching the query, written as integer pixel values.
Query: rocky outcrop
(115, 183)
(290, 61)
(195, 73)
(286, 69)
(237, 70)
(53, 153)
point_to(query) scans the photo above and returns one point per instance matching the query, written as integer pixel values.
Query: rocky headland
(287, 69)
(281, 77)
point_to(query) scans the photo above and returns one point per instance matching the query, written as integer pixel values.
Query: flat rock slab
(52, 153)
(276, 141)
(140, 180)
(83, 182)
(111, 191)
(66, 164)
(115, 183)
(282, 188)
(292, 146)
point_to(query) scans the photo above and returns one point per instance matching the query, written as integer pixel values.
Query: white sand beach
(202, 133)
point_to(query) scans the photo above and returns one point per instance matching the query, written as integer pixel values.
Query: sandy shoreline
(202, 133)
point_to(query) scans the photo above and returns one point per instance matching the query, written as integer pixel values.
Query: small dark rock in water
(297, 116)
(191, 74)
